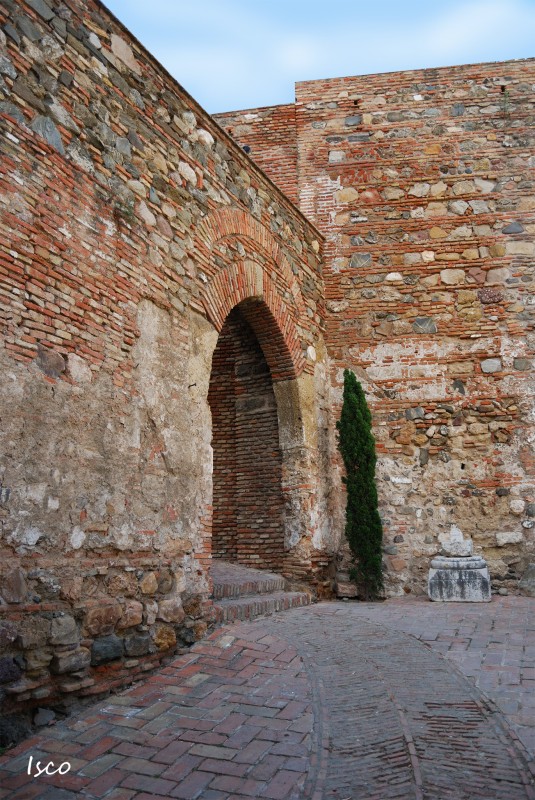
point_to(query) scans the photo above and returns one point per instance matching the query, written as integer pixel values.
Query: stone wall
(130, 227)
(422, 183)
(269, 136)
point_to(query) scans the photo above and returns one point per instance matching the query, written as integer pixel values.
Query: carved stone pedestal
(456, 575)
(464, 580)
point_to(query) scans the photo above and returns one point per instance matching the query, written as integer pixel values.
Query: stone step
(234, 580)
(246, 608)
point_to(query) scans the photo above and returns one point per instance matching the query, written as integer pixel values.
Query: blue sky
(235, 54)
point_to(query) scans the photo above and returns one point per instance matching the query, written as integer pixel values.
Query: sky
(237, 54)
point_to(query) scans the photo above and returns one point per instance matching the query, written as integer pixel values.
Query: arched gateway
(248, 508)
(266, 483)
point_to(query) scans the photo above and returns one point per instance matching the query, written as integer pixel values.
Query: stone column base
(461, 580)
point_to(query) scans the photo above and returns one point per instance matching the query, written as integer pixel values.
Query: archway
(248, 507)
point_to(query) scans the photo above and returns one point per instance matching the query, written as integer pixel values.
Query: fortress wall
(269, 136)
(130, 225)
(423, 184)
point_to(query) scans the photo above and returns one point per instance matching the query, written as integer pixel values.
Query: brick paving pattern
(318, 703)
(493, 645)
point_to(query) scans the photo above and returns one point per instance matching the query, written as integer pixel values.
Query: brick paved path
(314, 704)
(492, 644)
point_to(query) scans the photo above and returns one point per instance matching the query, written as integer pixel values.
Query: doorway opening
(248, 508)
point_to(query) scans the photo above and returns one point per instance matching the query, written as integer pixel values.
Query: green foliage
(364, 530)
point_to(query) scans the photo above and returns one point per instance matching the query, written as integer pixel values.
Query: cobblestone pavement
(323, 702)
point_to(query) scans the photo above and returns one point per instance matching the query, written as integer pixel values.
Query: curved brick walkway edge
(402, 722)
(314, 704)
(492, 644)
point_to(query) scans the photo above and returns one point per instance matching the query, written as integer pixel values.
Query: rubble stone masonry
(175, 330)
(423, 184)
(131, 226)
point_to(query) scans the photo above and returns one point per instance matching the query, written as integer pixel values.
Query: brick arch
(235, 221)
(266, 311)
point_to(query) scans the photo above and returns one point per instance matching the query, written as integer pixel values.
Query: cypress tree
(364, 530)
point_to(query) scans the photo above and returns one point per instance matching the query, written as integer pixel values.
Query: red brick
(104, 783)
(143, 783)
(192, 785)
(283, 782)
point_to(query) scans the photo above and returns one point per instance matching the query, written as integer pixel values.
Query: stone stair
(243, 593)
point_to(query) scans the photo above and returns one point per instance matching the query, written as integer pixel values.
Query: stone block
(490, 365)
(165, 581)
(489, 296)
(498, 274)
(101, 620)
(415, 413)
(420, 189)
(424, 325)
(38, 659)
(122, 583)
(64, 630)
(456, 549)
(33, 632)
(423, 456)
(193, 606)
(106, 649)
(508, 537)
(122, 50)
(360, 260)
(520, 248)
(138, 644)
(517, 506)
(46, 128)
(458, 207)
(452, 277)
(336, 156)
(8, 634)
(9, 670)
(132, 614)
(171, 610)
(148, 583)
(71, 661)
(164, 637)
(13, 587)
(347, 195)
(13, 111)
(150, 610)
(41, 8)
(44, 716)
(393, 193)
(527, 582)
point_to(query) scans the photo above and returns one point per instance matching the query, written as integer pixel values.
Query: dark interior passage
(247, 500)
